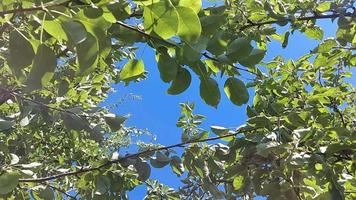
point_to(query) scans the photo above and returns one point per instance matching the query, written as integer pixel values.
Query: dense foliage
(59, 59)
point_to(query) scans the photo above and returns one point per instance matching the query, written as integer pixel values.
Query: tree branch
(37, 8)
(61, 191)
(330, 16)
(109, 163)
(13, 93)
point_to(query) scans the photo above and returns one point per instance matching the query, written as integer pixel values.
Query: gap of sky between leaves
(158, 112)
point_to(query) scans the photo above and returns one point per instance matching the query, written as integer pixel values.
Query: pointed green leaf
(314, 32)
(75, 31)
(189, 28)
(254, 58)
(53, 27)
(181, 82)
(132, 69)
(209, 91)
(236, 91)
(115, 121)
(43, 68)
(87, 54)
(21, 51)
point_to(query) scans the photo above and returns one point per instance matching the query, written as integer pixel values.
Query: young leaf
(314, 32)
(236, 91)
(209, 91)
(132, 69)
(238, 182)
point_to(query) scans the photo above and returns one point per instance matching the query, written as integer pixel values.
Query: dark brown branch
(206, 55)
(109, 163)
(61, 191)
(37, 8)
(330, 16)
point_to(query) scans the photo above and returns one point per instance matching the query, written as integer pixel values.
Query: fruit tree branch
(109, 163)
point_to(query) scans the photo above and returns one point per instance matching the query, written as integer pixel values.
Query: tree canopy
(60, 58)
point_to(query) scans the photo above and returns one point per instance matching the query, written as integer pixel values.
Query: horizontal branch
(36, 8)
(109, 163)
(313, 17)
(13, 93)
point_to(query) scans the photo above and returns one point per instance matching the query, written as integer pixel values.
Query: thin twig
(109, 163)
(40, 103)
(330, 16)
(61, 191)
(36, 8)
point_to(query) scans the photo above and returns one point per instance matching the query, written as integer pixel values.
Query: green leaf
(193, 4)
(238, 182)
(74, 122)
(161, 18)
(239, 49)
(314, 32)
(209, 91)
(53, 27)
(221, 131)
(46, 193)
(8, 182)
(285, 39)
(115, 121)
(168, 67)
(160, 160)
(325, 46)
(236, 91)
(21, 52)
(189, 28)
(5, 125)
(43, 68)
(143, 170)
(177, 165)
(145, 2)
(324, 6)
(75, 31)
(87, 54)
(254, 58)
(132, 69)
(181, 82)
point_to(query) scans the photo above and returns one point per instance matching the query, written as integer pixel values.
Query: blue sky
(158, 112)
